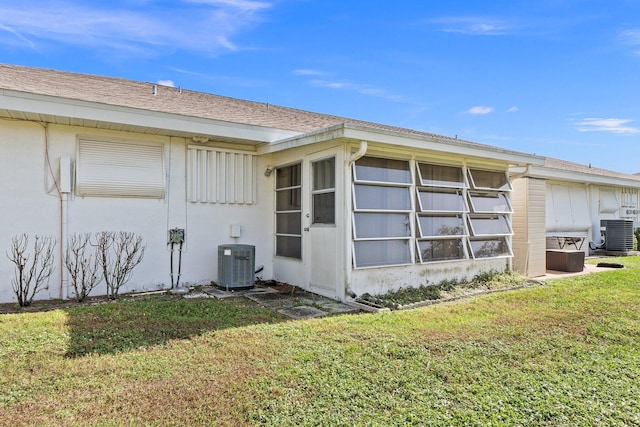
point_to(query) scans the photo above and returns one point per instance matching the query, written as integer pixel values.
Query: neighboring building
(333, 205)
(561, 204)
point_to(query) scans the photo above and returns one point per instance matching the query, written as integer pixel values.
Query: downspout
(62, 189)
(521, 174)
(65, 189)
(362, 150)
(358, 154)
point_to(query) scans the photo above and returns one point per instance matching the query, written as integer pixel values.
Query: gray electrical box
(236, 266)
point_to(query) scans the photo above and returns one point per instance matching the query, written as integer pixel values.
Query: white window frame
(288, 211)
(465, 192)
(327, 190)
(382, 211)
(422, 212)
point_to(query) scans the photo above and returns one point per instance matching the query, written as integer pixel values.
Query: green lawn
(566, 353)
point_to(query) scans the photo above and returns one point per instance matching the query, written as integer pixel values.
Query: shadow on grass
(130, 324)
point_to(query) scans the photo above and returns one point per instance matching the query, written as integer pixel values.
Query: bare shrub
(32, 270)
(119, 252)
(83, 264)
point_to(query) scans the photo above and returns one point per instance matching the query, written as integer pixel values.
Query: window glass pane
(324, 174)
(324, 207)
(288, 176)
(488, 248)
(288, 200)
(490, 225)
(383, 170)
(441, 225)
(372, 225)
(444, 176)
(490, 203)
(289, 246)
(440, 250)
(382, 198)
(489, 179)
(288, 223)
(443, 201)
(381, 252)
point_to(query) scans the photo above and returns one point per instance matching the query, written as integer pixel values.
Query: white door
(320, 236)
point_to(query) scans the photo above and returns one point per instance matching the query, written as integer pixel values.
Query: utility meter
(176, 235)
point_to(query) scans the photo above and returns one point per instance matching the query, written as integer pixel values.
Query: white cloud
(244, 5)
(631, 38)
(479, 110)
(474, 25)
(362, 89)
(307, 72)
(205, 26)
(169, 83)
(512, 109)
(618, 126)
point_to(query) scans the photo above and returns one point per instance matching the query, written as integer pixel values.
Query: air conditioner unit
(618, 234)
(236, 266)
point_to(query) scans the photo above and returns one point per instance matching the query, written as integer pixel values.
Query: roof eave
(581, 177)
(64, 110)
(351, 131)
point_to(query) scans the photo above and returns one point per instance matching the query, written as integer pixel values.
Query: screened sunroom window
(440, 176)
(428, 213)
(489, 225)
(381, 212)
(289, 211)
(382, 170)
(441, 207)
(441, 200)
(490, 215)
(489, 203)
(489, 180)
(490, 247)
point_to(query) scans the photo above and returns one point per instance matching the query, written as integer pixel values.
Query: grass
(567, 353)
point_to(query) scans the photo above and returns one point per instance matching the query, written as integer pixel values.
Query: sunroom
(377, 210)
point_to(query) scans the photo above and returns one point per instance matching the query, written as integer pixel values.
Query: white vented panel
(120, 169)
(221, 176)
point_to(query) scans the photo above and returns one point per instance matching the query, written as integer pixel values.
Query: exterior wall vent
(618, 234)
(236, 267)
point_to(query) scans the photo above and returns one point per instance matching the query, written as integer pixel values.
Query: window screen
(289, 211)
(323, 195)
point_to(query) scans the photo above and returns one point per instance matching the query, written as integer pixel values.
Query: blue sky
(558, 78)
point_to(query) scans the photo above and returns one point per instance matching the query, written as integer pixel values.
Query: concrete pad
(272, 299)
(588, 269)
(302, 312)
(219, 293)
(339, 308)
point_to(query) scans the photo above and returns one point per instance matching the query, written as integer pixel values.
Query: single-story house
(336, 206)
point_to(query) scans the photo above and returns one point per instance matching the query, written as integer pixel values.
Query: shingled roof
(172, 100)
(564, 165)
